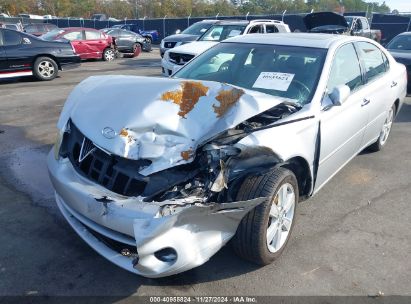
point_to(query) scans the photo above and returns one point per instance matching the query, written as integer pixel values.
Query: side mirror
(340, 94)
(178, 31)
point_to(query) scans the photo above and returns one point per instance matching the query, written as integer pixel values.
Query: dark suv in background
(188, 35)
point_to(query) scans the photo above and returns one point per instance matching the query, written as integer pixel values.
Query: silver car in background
(158, 174)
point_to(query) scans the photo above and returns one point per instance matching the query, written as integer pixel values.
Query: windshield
(283, 71)
(52, 34)
(33, 28)
(402, 42)
(197, 28)
(221, 32)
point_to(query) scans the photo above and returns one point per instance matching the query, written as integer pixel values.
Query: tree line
(121, 9)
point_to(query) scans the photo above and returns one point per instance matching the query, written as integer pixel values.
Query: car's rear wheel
(264, 232)
(109, 54)
(45, 68)
(385, 131)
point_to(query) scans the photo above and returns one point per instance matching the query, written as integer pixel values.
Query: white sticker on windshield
(273, 81)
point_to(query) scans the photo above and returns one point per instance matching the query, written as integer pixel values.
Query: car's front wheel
(385, 131)
(264, 232)
(45, 68)
(147, 47)
(136, 49)
(109, 54)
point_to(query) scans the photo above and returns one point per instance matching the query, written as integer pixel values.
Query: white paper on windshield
(273, 81)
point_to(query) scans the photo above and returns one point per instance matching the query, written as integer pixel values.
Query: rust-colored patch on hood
(123, 133)
(227, 99)
(187, 154)
(187, 96)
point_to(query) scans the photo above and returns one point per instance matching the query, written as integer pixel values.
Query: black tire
(147, 46)
(149, 40)
(250, 240)
(382, 139)
(45, 69)
(109, 54)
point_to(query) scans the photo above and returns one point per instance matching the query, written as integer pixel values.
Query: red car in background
(87, 42)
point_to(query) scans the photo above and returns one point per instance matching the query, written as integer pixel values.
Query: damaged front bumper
(150, 239)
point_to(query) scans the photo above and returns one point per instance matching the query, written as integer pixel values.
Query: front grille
(113, 172)
(180, 59)
(169, 45)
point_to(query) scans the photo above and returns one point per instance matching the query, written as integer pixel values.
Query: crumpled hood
(193, 48)
(314, 20)
(160, 119)
(180, 37)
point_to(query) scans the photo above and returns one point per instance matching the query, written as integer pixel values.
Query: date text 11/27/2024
(203, 299)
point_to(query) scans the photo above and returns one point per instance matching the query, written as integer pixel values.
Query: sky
(400, 5)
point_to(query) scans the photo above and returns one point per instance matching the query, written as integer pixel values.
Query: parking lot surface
(353, 238)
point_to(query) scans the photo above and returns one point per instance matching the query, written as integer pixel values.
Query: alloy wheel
(280, 217)
(46, 69)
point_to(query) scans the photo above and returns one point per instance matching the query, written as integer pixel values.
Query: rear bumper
(69, 63)
(194, 231)
(70, 66)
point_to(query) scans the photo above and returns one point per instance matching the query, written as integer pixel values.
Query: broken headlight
(167, 210)
(57, 144)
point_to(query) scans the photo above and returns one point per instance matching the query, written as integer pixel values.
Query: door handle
(365, 101)
(393, 84)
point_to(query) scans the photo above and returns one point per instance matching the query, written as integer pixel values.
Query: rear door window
(93, 35)
(74, 36)
(372, 59)
(11, 38)
(257, 29)
(270, 28)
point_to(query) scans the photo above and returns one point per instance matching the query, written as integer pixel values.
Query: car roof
(208, 21)
(294, 39)
(234, 22)
(404, 34)
(79, 28)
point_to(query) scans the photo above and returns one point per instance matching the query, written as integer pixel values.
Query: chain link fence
(389, 24)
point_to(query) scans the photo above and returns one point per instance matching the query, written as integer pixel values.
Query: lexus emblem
(108, 133)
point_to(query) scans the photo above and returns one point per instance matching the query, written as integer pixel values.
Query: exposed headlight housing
(166, 56)
(57, 144)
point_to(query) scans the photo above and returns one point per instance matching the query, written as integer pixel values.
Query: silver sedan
(158, 174)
